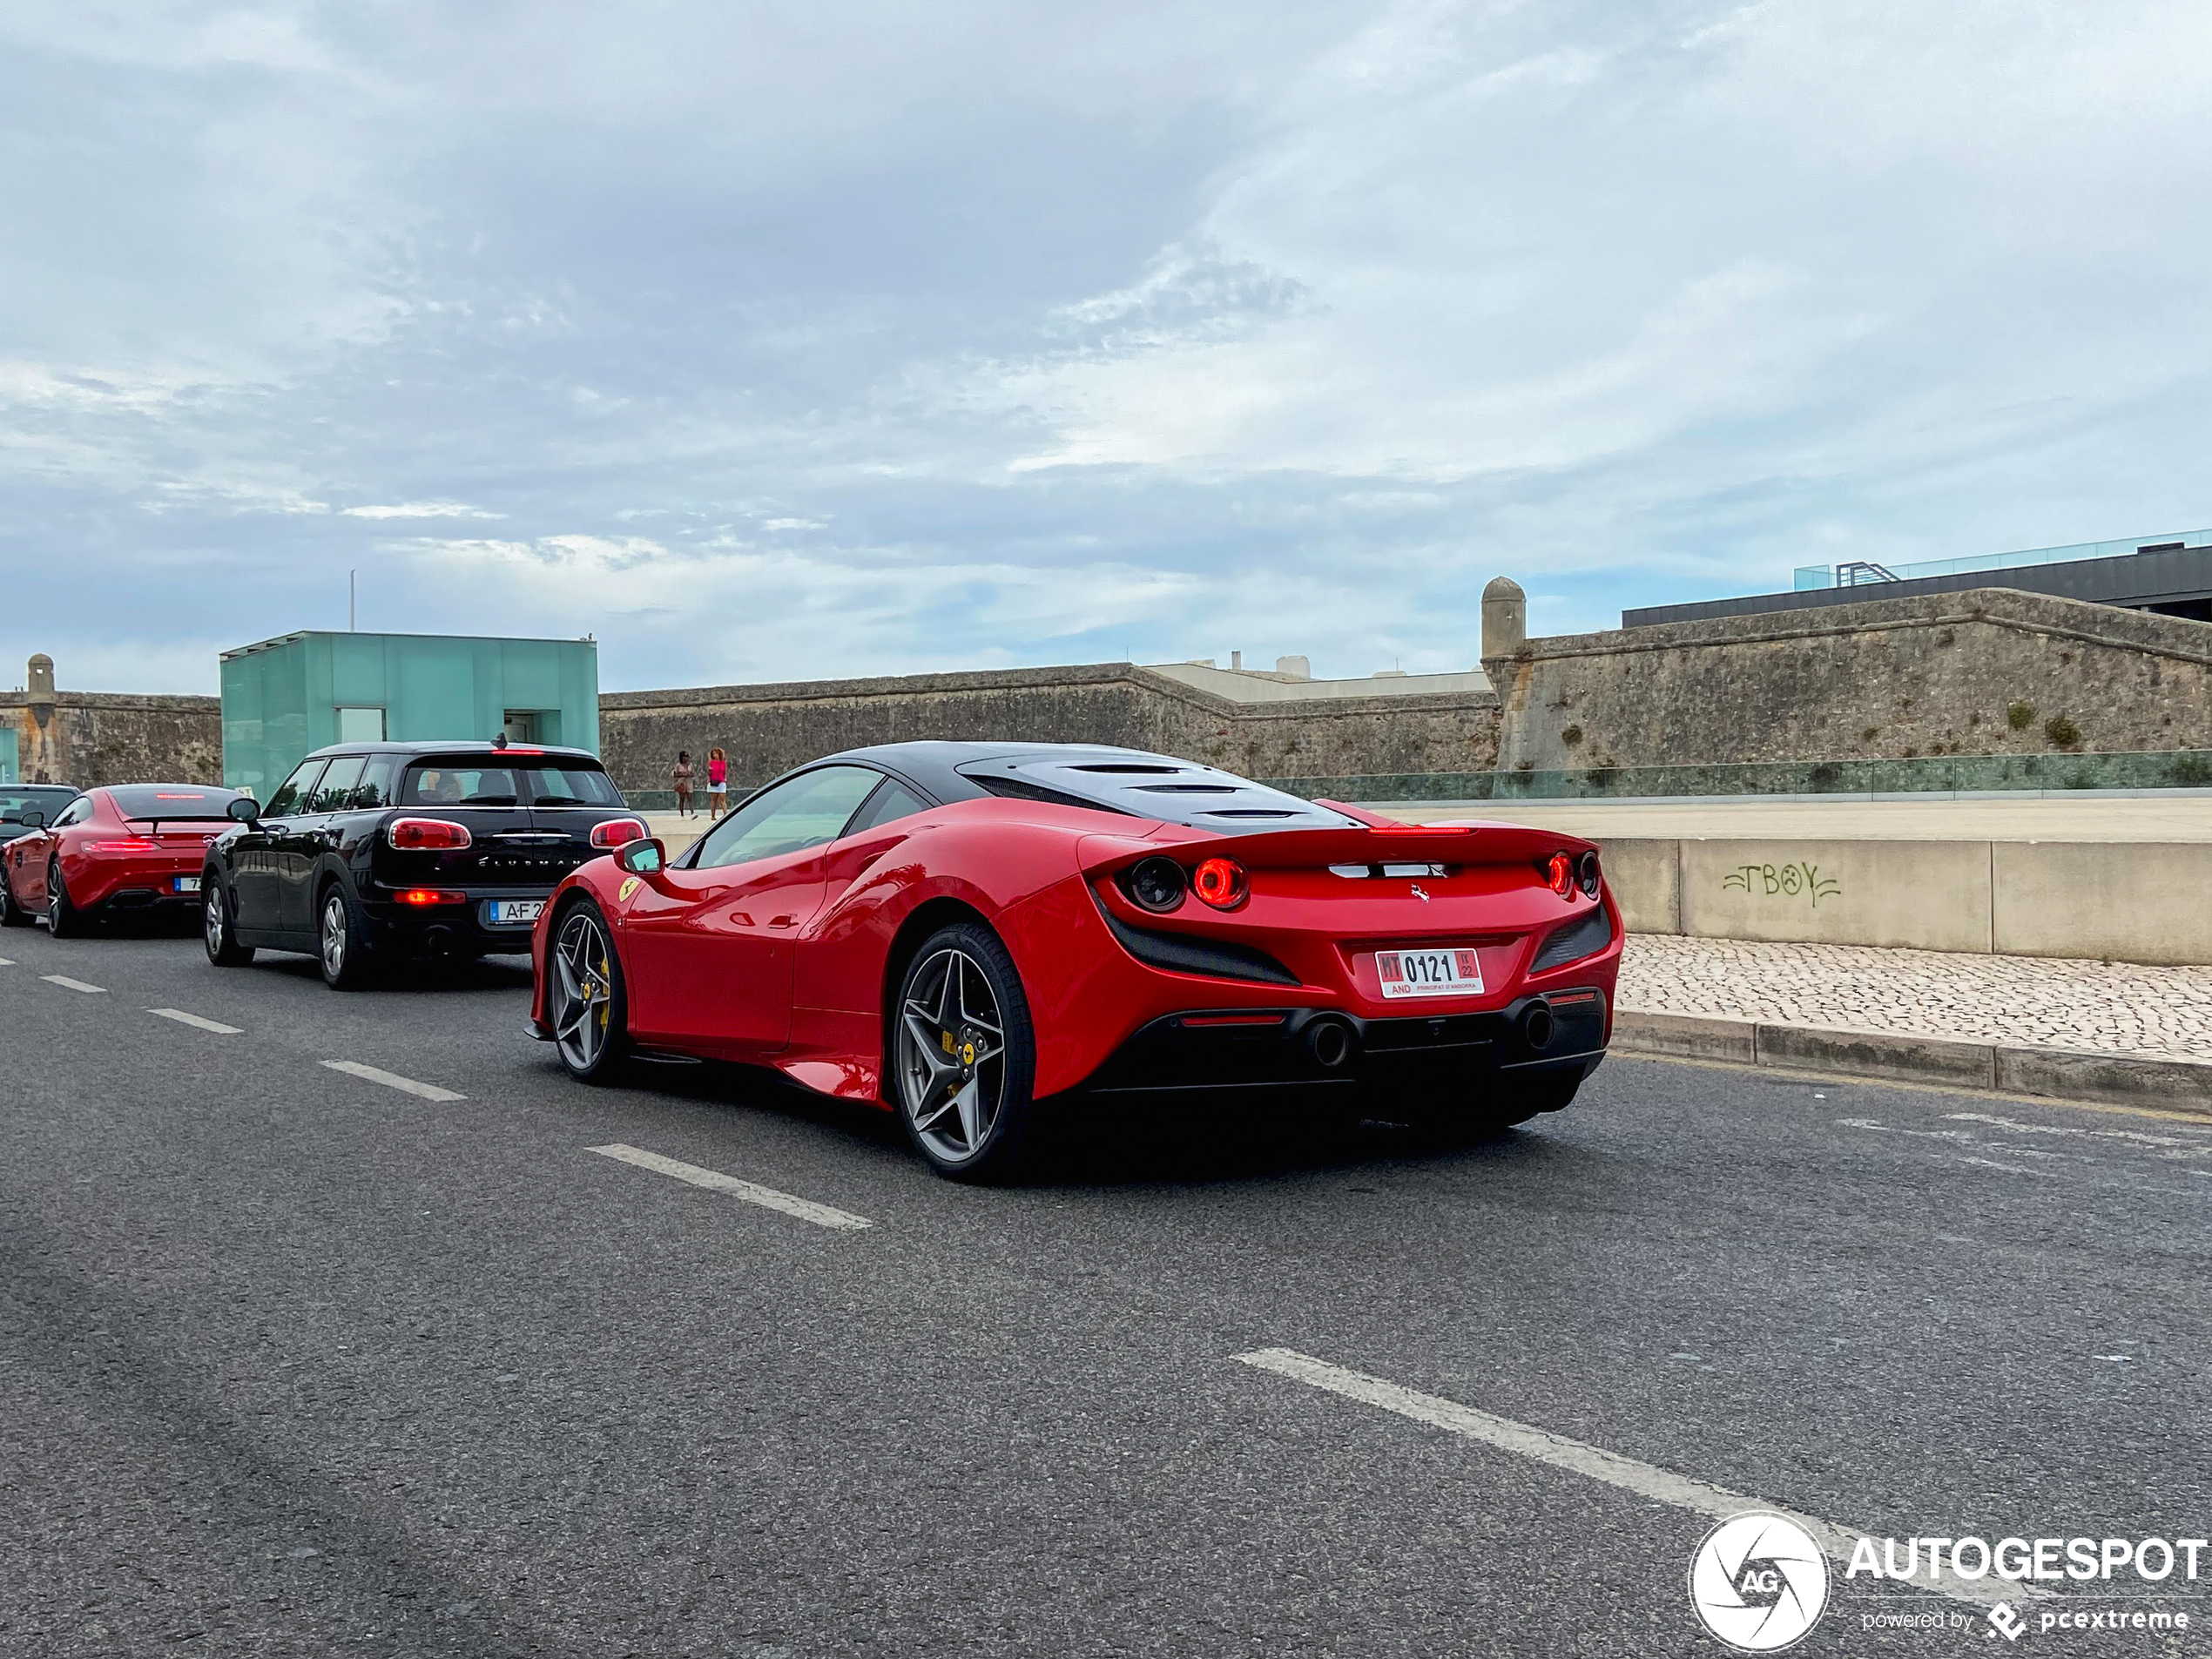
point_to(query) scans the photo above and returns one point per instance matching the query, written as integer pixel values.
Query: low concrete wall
(2137, 902)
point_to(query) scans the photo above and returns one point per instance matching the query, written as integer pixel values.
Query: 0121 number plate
(1429, 973)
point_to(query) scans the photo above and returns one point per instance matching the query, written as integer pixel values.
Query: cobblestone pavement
(2120, 1008)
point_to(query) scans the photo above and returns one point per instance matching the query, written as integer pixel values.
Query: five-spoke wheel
(585, 999)
(338, 945)
(962, 1055)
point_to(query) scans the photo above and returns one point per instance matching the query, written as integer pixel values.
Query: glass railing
(1929, 774)
(1853, 573)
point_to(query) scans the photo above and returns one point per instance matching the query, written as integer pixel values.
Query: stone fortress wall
(1988, 671)
(1991, 671)
(88, 737)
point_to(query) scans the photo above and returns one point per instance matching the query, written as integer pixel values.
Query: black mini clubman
(371, 853)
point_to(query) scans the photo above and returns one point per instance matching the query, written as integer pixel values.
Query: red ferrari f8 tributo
(960, 932)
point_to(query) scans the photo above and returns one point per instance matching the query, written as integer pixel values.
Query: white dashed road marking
(7, 961)
(1645, 1480)
(196, 1023)
(68, 984)
(806, 1209)
(393, 1080)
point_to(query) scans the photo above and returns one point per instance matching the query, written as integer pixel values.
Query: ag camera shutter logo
(1758, 1583)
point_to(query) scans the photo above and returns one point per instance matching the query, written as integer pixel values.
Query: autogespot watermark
(1759, 1582)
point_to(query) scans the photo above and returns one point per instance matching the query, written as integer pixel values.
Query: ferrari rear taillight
(129, 844)
(1157, 883)
(1559, 874)
(426, 835)
(1221, 882)
(616, 832)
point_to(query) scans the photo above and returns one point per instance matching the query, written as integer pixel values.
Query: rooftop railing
(1857, 572)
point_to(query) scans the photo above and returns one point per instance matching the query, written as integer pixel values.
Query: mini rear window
(458, 782)
(171, 801)
(570, 785)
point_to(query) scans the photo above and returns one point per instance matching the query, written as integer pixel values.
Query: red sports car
(958, 931)
(122, 847)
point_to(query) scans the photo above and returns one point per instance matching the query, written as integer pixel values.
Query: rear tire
(344, 955)
(964, 1055)
(63, 919)
(586, 997)
(217, 924)
(11, 914)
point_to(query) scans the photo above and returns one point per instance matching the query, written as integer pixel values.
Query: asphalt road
(293, 1361)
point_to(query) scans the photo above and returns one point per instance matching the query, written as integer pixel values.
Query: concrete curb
(2052, 1074)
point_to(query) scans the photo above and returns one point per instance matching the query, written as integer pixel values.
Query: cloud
(420, 509)
(993, 334)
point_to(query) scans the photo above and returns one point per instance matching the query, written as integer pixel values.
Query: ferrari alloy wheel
(11, 914)
(63, 919)
(963, 1055)
(339, 946)
(223, 948)
(585, 999)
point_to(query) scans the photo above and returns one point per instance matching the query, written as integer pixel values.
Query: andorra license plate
(1429, 973)
(185, 884)
(512, 913)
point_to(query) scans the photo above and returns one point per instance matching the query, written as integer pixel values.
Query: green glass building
(288, 696)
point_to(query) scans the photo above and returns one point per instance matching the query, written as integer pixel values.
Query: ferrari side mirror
(245, 809)
(644, 856)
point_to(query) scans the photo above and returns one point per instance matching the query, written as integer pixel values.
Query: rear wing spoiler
(1379, 843)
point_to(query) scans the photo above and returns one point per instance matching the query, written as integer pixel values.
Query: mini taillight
(129, 844)
(1155, 883)
(1559, 874)
(426, 835)
(431, 895)
(1221, 882)
(616, 832)
(1585, 873)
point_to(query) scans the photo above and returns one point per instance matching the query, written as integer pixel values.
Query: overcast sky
(804, 340)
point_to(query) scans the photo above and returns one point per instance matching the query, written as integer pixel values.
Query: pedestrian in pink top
(718, 783)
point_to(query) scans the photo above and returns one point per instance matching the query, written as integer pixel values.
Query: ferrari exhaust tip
(1329, 1043)
(1537, 1026)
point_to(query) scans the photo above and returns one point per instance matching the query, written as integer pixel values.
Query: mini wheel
(217, 915)
(344, 955)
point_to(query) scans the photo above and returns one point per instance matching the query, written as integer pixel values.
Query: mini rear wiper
(486, 800)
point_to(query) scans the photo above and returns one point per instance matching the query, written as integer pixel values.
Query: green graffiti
(1784, 881)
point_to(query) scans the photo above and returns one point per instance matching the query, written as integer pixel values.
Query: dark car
(373, 852)
(44, 803)
(17, 799)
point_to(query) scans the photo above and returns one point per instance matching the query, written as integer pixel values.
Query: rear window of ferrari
(171, 801)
